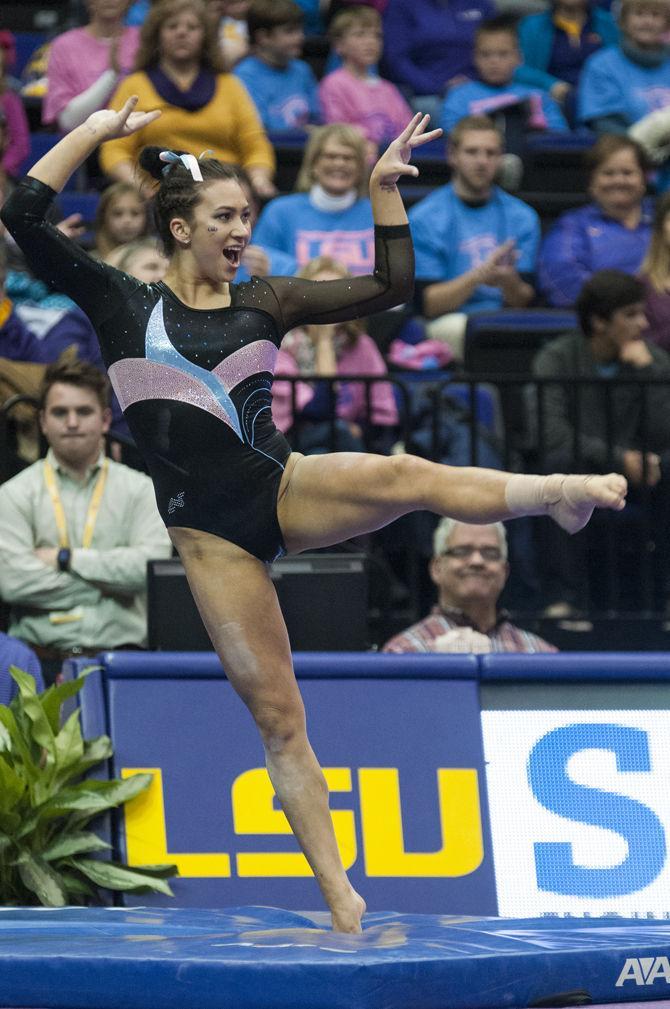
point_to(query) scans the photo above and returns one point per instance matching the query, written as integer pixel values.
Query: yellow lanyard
(59, 512)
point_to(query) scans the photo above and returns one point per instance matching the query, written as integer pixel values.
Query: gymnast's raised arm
(393, 279)
(54, 258)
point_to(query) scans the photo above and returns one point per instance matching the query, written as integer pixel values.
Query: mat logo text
(645, 970)
(255, 816)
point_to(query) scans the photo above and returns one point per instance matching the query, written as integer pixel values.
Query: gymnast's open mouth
(234, 254)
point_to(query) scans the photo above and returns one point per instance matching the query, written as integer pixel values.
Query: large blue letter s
(639, 825)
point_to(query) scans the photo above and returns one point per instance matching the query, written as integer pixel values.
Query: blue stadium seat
(85, 204)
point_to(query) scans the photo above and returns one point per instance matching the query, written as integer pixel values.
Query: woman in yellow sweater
(179, 71)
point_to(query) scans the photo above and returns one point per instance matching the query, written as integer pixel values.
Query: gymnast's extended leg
(329, 498)
(238, 604)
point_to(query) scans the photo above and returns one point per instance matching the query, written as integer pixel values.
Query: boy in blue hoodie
(282, 86)
(517, 108)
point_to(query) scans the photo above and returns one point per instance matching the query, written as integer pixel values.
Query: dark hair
(178, 193)
(502, 23)
(70, 370)
(268, 14)
(605, 293)
(609, 144)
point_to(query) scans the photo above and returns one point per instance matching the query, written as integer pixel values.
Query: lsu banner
(404, 766)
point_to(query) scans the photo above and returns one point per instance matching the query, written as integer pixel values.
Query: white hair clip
(189, 161)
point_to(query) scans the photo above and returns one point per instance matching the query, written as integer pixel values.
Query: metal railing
(510, 419)
(514, 418)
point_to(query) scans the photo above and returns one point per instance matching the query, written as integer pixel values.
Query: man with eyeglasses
(469, 567)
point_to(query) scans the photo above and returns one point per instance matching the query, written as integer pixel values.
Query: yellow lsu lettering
(384, 853)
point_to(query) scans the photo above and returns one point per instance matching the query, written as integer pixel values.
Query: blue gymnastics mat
(266, 958)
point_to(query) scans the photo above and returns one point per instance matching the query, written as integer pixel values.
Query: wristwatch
(63, 559)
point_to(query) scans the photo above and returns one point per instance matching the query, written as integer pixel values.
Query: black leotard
(195, 384)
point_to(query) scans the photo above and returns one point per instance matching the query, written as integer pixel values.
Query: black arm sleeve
(57, 260)
(316, 302)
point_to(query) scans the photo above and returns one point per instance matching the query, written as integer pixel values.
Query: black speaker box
(323, 597)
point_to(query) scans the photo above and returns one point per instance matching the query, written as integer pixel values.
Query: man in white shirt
(77, 530)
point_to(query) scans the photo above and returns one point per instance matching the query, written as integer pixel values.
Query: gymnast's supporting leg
(327, 499)
(239, 607)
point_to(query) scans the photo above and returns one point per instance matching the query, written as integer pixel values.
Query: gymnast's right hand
(109, 124)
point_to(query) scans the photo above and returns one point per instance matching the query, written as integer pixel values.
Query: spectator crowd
(300, 95)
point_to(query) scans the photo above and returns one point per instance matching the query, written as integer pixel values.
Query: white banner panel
(579, 805)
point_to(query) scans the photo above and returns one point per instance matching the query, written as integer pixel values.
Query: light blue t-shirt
(478, 99)
(286, 98)
(451, 238)
(295, 226)
(611, 84)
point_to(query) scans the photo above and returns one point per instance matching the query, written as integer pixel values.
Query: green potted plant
(47, 849)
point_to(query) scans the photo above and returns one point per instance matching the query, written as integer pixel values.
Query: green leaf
(95, 796)
(95, 752)
(5, 739)
(40, 878)
(117, 877)
(68, 744)
(76, 887)
(74, 844)
(20, 749)
(12, 787)
(10, 823)
(160, 871)
(54, 696)
(32, 706)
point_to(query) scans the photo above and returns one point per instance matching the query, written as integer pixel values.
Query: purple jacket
(583, 241)
(15, 653)
(427, 42)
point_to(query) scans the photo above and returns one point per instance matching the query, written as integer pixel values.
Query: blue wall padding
(265, 958)
(562, 667)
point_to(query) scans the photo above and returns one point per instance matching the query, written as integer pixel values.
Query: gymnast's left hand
(109, 125)
(394, 162)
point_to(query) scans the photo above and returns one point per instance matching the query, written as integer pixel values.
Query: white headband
(189, 161)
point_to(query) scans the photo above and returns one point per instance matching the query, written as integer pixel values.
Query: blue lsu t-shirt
(451, 238)
(611, 84)
(294, 226)
(479, 99)
(286, 98)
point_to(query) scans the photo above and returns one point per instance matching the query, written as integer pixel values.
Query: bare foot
(347, 917)
(572, 499)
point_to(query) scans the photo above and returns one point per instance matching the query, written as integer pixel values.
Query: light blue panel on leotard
(265, 958)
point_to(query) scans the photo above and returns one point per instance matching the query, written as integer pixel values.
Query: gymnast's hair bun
(150, 161)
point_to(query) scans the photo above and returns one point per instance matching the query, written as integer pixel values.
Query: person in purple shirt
(428, 43)
(611, 232)
(15, 653)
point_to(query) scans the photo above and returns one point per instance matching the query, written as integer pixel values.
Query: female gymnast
(191, 360)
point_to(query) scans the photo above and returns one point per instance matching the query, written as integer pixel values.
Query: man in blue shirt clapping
(475, 244)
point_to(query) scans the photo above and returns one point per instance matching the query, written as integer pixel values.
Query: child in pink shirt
(353, 94)
(325, 351)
